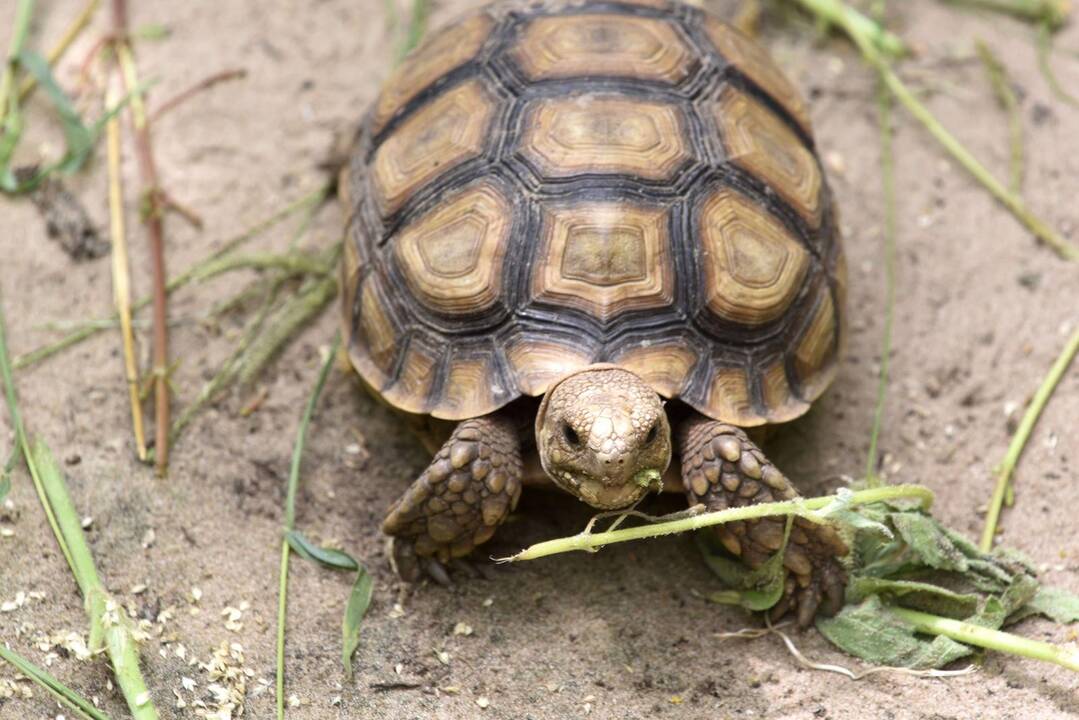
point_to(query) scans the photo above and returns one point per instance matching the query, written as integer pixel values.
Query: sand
(982, 311)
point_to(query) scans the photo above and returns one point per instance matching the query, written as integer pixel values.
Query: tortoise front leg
(470, 487)
(722, 468)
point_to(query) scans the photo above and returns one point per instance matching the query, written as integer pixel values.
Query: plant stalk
(290, 517)
(121, 269)
(991, 639)
(801, 507)
(153, 218)
(72, 700)
(866, 38)
(1022, 434)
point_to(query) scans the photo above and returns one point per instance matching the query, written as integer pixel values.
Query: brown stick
(202, 85)
(152, 218)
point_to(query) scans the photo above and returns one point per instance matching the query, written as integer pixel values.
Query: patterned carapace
(550, 184)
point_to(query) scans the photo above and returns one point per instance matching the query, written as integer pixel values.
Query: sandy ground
(982, 312)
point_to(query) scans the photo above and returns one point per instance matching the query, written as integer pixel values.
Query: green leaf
(5, 483)
(77, 136)
(928, 540)
(869, 631)
(358, 602)
(327, 557)
(1056, 604)
(918, 595)
(754, 590)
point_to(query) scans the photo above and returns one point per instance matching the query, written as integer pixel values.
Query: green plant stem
(290, 517)
(71, 699)
(802, 508)
(21, 439)
(834, 12)
(1022, 434)
(292, 264)
(116, 632)
(296, 313)
(93, 327)
(107, 626)
(887, 167)
(1054, 12)
(867, 42)
(991, 639)
(1006, 97)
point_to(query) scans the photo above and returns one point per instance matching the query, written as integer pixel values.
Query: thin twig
(887, 168)
(202, 85)
(1002, 88)
(867, 41)
(57, 51)
(1022, 434)
(290, 517)
(153, 219)
(121, 269)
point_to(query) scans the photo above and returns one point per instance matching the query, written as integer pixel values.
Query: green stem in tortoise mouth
(648, 478)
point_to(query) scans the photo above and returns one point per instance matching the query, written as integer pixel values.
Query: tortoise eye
(570, 435)
(653, 433)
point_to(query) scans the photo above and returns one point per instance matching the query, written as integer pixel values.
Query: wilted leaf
(927, 539)
(324, 556)
(918, 595)
(1058, 605)
(869, 631)
(358, 601)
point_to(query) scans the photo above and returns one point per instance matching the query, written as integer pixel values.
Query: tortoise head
(603, 435)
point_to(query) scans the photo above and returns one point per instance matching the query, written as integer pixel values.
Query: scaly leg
(722, 468)
(458, 502)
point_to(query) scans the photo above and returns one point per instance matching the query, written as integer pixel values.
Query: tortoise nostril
(620, 461)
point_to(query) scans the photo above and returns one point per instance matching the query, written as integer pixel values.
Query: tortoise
(585, 235)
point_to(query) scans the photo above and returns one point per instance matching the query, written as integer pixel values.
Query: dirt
(982, 311)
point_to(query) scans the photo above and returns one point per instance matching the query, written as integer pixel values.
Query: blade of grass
(1045, 51)
(1022, 434)
(1002, 88)
(107, 626)
(417, 27)
(93, 327)
(290, 516)
(21, 440)
(887, 168)
(57, 51)
(866, 41)
(70, 699)
(10, 116)
(991, 639)
(121, 281)
(801, 508)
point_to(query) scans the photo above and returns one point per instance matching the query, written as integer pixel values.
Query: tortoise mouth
(607, 493)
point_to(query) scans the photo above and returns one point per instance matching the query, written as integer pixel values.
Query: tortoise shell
(546, 185)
